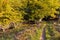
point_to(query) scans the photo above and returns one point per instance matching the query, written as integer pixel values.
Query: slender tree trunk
(43, 35)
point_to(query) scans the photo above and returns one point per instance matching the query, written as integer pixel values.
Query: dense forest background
(35, 17)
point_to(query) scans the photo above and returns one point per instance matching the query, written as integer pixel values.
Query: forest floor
(32, 32)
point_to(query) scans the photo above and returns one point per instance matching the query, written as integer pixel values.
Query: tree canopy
(20, 10)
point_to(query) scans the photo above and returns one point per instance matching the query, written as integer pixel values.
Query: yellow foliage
(14, 10)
